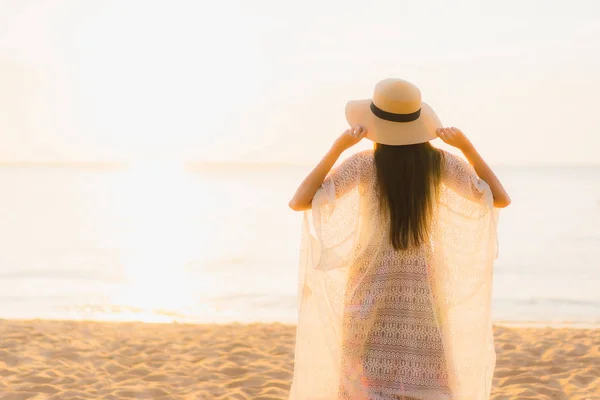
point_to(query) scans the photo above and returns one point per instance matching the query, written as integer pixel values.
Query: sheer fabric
(375, 323)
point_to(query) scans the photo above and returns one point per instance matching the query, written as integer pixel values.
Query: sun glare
(155, 248)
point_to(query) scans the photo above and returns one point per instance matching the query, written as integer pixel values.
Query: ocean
(160, 242)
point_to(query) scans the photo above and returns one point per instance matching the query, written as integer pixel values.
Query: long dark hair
(408, 178)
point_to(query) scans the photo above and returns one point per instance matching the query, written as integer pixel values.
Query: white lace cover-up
(378, 324)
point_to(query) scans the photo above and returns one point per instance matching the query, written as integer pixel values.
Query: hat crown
(397, 96)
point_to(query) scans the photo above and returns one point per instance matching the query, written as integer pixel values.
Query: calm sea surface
(159, 242)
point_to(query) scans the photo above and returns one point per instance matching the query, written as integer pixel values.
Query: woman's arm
(306, 191)
(455, 137)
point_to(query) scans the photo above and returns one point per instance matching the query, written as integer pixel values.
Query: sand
(98, 360)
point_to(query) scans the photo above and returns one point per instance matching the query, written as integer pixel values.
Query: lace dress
(378, 324)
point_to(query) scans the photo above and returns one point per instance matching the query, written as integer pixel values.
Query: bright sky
(267, 80)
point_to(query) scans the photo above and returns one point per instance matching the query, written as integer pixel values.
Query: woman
(396, 263)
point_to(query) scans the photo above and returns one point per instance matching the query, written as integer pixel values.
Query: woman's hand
(350, 137)
(454, 137)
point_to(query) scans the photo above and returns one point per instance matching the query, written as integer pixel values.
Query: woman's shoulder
(364, 156)
(446, 154)
(451, 161)
(360, 164)
(363, 160)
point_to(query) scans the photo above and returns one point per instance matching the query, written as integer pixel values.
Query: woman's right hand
(350, 137)
(454, 137)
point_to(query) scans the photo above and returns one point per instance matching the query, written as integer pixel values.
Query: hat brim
(382, 131)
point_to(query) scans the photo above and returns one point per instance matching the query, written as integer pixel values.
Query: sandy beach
(99, 360)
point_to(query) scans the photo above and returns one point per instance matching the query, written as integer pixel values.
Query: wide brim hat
(395, 115)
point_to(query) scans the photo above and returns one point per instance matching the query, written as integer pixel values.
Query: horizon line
(115, 163)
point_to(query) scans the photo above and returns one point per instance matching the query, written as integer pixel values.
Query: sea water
(217, 243)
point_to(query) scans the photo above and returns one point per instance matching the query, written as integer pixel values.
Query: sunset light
(271, 200)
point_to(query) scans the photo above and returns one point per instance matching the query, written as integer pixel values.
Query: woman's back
(390, 328)
(392, 308)
(361, 171)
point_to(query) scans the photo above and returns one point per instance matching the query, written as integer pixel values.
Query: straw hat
(395, 115)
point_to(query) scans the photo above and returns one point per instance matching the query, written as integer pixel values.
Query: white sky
(268, 80)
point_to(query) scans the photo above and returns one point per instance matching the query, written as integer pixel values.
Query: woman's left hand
(350, 137)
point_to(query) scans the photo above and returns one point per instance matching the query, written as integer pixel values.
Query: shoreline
(500, 323)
